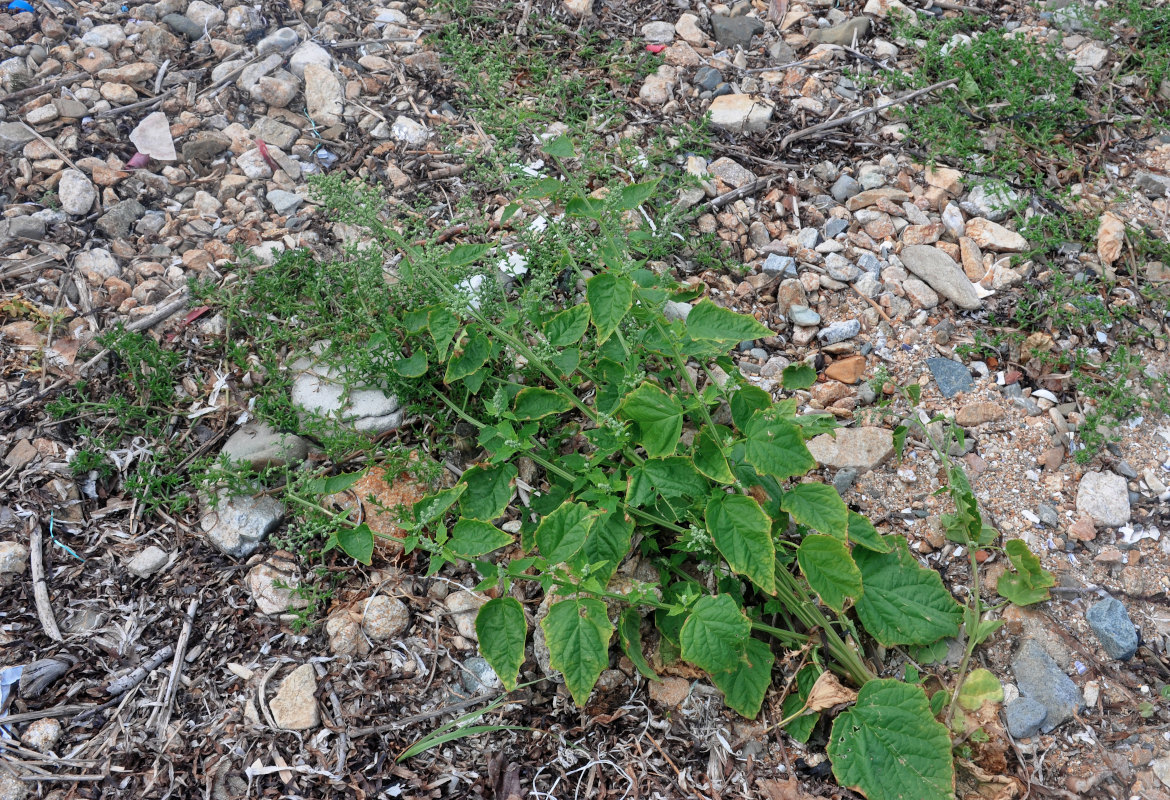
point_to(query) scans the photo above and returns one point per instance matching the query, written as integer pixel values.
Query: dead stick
(120, 686)
(438, 712)
(56, 711)
(837, 123)
(176, 668)
(40, 589)
(167, 310)
(873, 303)
(150, 101)
(44, 87)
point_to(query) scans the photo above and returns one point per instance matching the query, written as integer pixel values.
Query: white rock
(658, 32)
(152, 136)
(323, 95)
(148, 562)
(205, 14)
(952, 220)
(76, 193)
(308, 53)
(104, 36)
(42, 735)
(272, 586)
(993, 236)
(409, 131)
(1104, 496)
(253, 165)
(657, 88)
(280, 41)
(741, 113)
(295, 706)
(385, 617)
(97, 265)
(688, 30)
(13, 561)
(320, 390)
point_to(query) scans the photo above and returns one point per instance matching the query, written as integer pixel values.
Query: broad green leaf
(472, 537)
(708, 454)
(545, 187)
(863, 534)
(979, 688)
(775, 447)
(468, 357)
(630, 638)
(566, 360)
(489, 490)
(830, 570)
(801, 728)
(608, 543)
(743, 534)
(357, 543)
(501, 629)
(583, 207)
(745, 402)
(745, 686)
(434, 506)
(560, 147)
(610, 375)
(636, 194)
(889, 746)
(819, 507)
(659, 417)
(463, 254)
(415, 321)
(563, 532)
(334, 483)
(442, 325)
(610, 297)
(413, 367)
(567, 327)
(509, 212)
(715, 323)
(798, 376)
(904, 603)
(715, 634)
(670, 477)
(577, 633)
(1030, 582)
(537, 403)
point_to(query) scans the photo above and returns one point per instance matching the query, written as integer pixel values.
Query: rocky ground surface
(146, 144)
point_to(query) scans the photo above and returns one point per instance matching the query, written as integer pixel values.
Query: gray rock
(834, 226)
(76, 193)
(205, 15)
(1024, 717)
(803, 316)
(308, 53)
(808, 238)
(320, 390)
(13, 788)
(1104, 496)
(14, 136)
(1110, 621)
(280, 41)
(260, 446)
(1152, 185)
(844, 188)
(779, 265)
(478, 676)
(658, 32)
(844, 479)
(239, 524)
(1125, 470)
(674, 310)
(409, 131)
(781, 52)
(204, 146)
(707, 78)
(731, 172)
(1042, 680)
(282, 202)
(464, 606)
(732, 32)
(385, 617)
(839, 331)
(324, 96)
(943, 275)
(13, 561)
(840, 268)
(1048, 515)
(856, 29)
(116, 222)
(182, 25)
(862, 449)
(148, 562)
(951, 376)
(993, 201)
(22, 228)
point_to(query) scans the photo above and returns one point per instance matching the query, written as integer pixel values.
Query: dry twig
(40, 589)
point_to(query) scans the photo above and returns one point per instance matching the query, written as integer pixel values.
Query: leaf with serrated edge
(577, 633)
(715, 634)
(889, 746)
(904, 603)
(745, 686)
(819, 507)
(610, 297)
(358, 543)
(742, 532)
(708, 455)
(501, 629)
(829, 570)
(534, 402)
(863, 534)
(659, 418)
(568, 326)
(561, 533)
(775, 447)
(608, 543)
(489, 490)
(472, 537)
(715, 323)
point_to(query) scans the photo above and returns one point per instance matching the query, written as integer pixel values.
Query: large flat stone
(856, 448)
(942, 274)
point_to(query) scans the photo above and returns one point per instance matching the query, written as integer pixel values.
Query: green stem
(793, 596)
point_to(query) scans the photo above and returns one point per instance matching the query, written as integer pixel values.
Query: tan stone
(972, 258)
(294, 707)
(922, 234)
(978, 413)
(671, 692)
(847, 370)
(860, 448)
(374, 500)
(993, 236)
(946, 179)
(872, 196)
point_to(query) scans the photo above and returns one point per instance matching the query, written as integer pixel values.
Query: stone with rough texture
(978, 413)
(856, 448)
(942, 274)
(1024, 717)
(205, 15)
(12, 787)
(148, 562)
(344, 631)
(152, 136)
(13, 561)
(733, 32)
(839, 331)
(272, 584)
(1042, 680)
(409, 131)
(463, 607)
(117, 220)
(260, 446)
(688, 29)
(76, 193)
(993, 236)
(319, 390)
(951, 376)
(741, 113)
(324, 96)
(847, 370)
(919, 293)
(844, 34)
(308, 53)
(385, 617)
(992, 201)
(1115, 630)
(670, 692)
(239, 524)
(294, 707)
(1104, 496)
(42, 735)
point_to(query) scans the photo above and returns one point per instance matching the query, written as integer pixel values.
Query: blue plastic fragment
(19, 6)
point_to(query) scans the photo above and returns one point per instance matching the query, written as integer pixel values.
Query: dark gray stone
(22, 228)
(707, 78)
(951, 376)
(14, 136)
(1116, 632)
(733, 32)
(1024, 717)
(116, 222)
(180, 24)
(835, 226)
(1042, 680)
(870, 263)
(1048, 515)
(843, 480)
